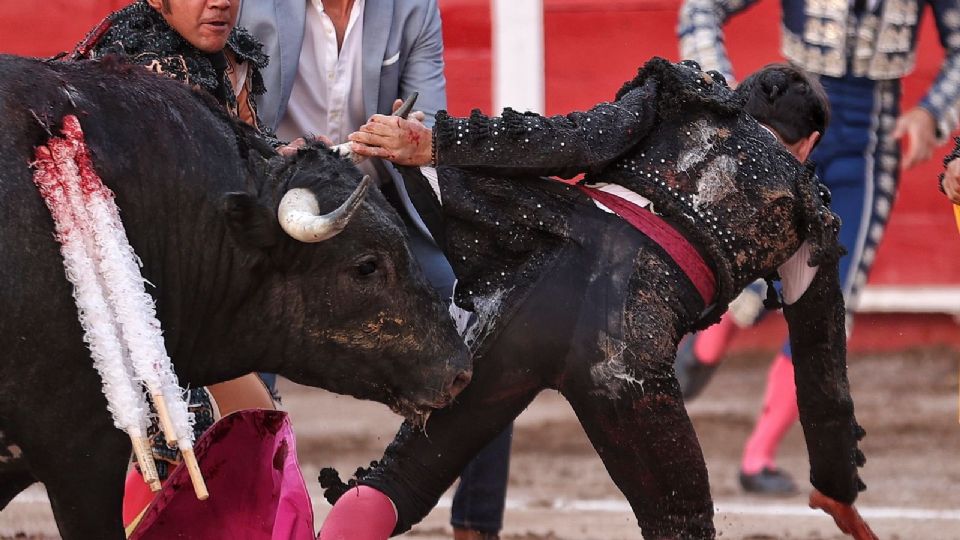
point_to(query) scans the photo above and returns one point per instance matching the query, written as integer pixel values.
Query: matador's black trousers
(600, 325)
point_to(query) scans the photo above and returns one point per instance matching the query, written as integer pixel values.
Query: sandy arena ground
(560, 491)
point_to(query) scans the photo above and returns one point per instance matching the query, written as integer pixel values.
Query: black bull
(234, 293)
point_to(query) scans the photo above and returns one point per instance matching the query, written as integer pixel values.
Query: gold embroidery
(888, 163)
(937, 99)
(951, 19)
(811, 30)
(888, 100)
(883, 209)
(895, 39)
(704, 39)
(887, 182)
(836, 10)
(834, 61)
(813, 58)
(953, 40)
(735, 5)
(900, 12)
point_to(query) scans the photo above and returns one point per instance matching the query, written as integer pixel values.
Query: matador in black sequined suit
(139, 34)
(572, 297)
(950, 179)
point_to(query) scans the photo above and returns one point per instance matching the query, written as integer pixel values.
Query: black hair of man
(788, 100)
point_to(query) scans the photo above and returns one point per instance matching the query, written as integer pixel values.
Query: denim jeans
(479, 501)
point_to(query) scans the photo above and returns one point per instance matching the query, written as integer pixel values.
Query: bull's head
(358, 316)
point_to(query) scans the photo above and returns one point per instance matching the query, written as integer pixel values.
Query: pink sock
(363, 513)
(712, 342)
(136, 496)
(778, 415)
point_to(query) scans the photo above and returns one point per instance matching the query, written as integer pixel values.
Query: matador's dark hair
(788, 99)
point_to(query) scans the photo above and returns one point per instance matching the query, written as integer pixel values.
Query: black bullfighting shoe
(769, 481)
(470, 534)
(692, 374)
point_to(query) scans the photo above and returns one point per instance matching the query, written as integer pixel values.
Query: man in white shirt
(334, 64)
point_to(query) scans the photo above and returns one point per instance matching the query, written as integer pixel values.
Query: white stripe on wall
(36, 495)
(620, 506)
(518, 64)
(910, 299)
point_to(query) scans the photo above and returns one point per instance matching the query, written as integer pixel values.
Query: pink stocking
(136, 497)
(779, 414)
(363, 513)
(712, 343)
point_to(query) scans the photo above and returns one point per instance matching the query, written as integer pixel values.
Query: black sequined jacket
(680, 138)
(950, 157)
(141, 35)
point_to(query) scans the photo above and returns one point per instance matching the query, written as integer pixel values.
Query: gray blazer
(402, 54)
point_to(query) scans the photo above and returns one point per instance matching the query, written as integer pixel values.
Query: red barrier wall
(591, 48)
(51, 26)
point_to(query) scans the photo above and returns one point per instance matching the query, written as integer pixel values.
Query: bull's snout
(459, 382)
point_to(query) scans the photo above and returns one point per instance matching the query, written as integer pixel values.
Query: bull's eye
(367, 267)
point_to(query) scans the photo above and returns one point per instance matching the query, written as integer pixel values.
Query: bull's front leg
(81, 458)
(14, 474)
(89, 504)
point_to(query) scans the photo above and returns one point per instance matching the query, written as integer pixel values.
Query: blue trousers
(859, 161)
(479, 501)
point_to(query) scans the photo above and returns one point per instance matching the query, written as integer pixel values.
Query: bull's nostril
(460, 382)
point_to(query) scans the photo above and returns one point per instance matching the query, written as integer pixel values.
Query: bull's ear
(251, 224)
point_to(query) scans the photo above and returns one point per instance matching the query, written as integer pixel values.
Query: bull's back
(30, 269)
(154, 143)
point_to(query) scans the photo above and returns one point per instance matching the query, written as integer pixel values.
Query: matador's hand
(404, 142)
(920, 129)
(844, 515)
(951, 181)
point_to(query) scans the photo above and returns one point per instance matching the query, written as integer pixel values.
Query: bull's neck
(201, 282)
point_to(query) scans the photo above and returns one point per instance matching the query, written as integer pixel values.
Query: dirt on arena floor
(559, 489)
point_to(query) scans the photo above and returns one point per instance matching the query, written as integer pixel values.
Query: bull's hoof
(769, 481)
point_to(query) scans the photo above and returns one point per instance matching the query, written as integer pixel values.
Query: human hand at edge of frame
(951, 181)
(404, 142)
(920, 128)
(844, 515)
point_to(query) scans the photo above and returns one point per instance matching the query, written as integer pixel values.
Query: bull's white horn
(299, 213)
(346, 150)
